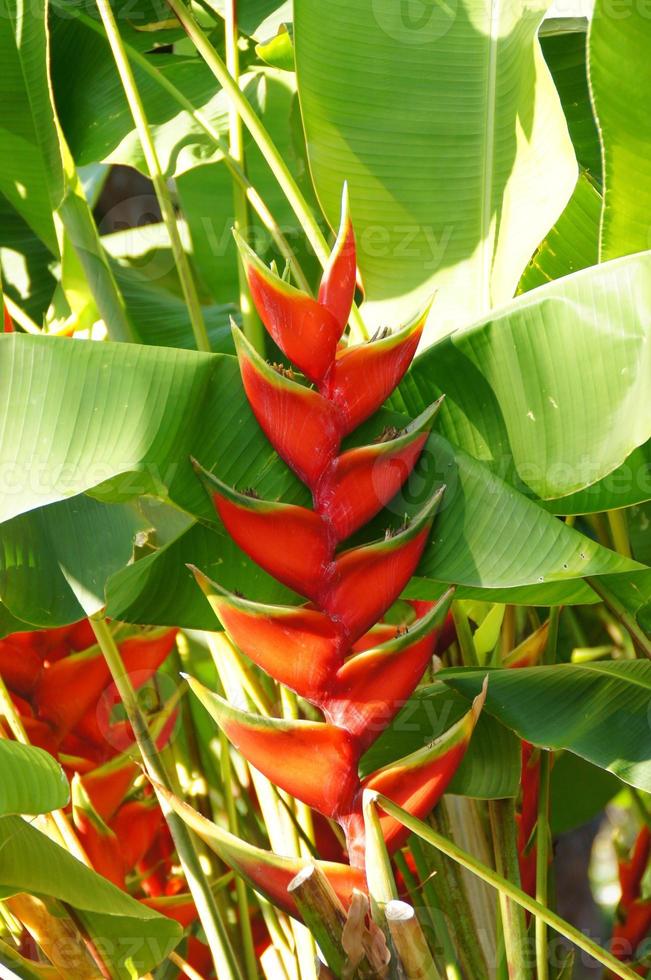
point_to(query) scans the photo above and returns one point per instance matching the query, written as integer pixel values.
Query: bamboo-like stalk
(503, 827)
(409, 942)
(453, 901)
(253, 197)
(155, 172)
(216, 934)
(266, 146)
(512, 891)
(435, 917)
(621, 613)
(322, 913)
(464, 636)
(619, 532)
(251, 324)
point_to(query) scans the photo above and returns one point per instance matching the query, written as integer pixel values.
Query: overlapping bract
(331, 651)
(61, 689)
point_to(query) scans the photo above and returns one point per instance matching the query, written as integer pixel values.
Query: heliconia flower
(136, 825)
(528, 654)
(97, 839)
(633, 915)
(8, 323)
(179, 907)
(334, 651)
(265, 871)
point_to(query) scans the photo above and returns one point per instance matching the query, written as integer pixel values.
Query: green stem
(464, 636)
(216, 935)
(507, 888)
(251, 324)
(156, 174)
(543, 832)
(619, 531)
(503, 826)
(445, 891)
(265, 144)
(434, 920)
(542, 865)
(240, 886)
(252, 195)
(621, 613)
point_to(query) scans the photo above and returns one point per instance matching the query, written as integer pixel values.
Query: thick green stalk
(251, 324)
(507, 888)
(156, 174)
(252, 195)
(543, 833)
(216, 935)
(464, 636)
(240, 886)
(266, 146)
(619, 531)
(434, 917)
(503, 826)
(409, 942)
(621, 613)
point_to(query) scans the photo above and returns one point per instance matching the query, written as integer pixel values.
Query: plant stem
(250, 321)
(156, 174)
(512, 891)
(619, 531)
(253, 197)
(217, 937)
(240, 886)
(435, 919)
(621, 613)
(503, 826)
(409, 942)
(265, 144)
(322, 912)
(464, 636)
(542, 864)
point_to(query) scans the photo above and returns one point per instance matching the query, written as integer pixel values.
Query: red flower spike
(294, 755)
(289, 542)
(19, 667)
(529, 652)
(417, 782)
(337, 288)
(332, 651)
(98, 841)
(300, 646)
(144, 653)
(366, 580)
(69, 688)
(265, 871)
(301, 425)
(181, 907)
(373, 686)
(363, 480)
(306, 331)
(632, 870)
(107, 785)
(363, 377)
(135, 825)
(8, 323)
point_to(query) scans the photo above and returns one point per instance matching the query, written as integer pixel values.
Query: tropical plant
(318, 630)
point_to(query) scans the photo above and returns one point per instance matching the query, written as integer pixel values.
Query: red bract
(333, 651)
(633, 917)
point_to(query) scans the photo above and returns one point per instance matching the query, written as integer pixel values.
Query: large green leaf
(620, 76)
(629, 484)
(54, 562)
(31, 175)
(94, 112)
(491, 766)
(132, 937)
(573, 242)
(552, 390)
(134, 417)
(446, 123)
(599, 711)
(31, 781)
(564, 45)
